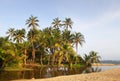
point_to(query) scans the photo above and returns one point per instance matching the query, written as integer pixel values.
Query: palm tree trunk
(25, 52)
(33, 54)
(41, 59)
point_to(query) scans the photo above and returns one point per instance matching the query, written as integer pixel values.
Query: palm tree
(67, 36)
(10, 33)
(78, 38)
(33, 23)
(56, 23)
(25, 46)
(94, 57)
(33, 40)
(67, 23)
(87, 60)
(19, 35)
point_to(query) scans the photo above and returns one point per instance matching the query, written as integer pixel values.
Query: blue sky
(97, 20)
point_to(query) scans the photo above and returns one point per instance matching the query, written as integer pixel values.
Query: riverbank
(104, 64)
(108, 75)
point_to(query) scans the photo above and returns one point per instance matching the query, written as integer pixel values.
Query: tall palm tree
(78, 38)
(67, 23)
(32, 23)
(33, 40)
(56, 23)
(10, 33)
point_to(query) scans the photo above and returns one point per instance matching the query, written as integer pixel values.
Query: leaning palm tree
(32, 23)
(67, 23)
(56, 23)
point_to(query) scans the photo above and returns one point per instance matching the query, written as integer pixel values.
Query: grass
(75, 65)
(78, 65)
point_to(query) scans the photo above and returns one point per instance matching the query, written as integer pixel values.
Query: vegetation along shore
(52, 46)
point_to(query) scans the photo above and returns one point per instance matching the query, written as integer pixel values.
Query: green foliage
(92, 57)
(52, 45)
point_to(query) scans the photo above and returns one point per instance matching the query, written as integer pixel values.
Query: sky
(97, 20)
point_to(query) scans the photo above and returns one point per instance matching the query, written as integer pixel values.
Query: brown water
(44, 72)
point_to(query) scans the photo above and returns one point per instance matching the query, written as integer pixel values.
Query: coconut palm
(10, 33)
(78, 38)
(33, 40)
(56, 23)
(67, 36)
(32, 22)
(87, 60)
(19, 36)
(94, 57)
(67, 23)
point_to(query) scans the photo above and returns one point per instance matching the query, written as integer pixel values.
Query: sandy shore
(104, 64)
(108, 75)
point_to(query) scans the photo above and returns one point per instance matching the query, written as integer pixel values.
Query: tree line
(52, 45)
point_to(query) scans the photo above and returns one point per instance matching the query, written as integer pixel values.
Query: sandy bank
(104, 64)
(108, 75)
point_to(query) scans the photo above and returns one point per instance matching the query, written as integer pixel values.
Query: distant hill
(111, 61)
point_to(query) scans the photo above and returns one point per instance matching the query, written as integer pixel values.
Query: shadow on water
(44, 72)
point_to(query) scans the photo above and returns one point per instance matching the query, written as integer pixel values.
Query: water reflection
(45, 72)
(92, 69)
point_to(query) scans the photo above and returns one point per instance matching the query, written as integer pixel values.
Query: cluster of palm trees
(53, 45)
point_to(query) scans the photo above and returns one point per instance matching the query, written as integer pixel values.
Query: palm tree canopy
(19, 35)
(56, 23)
(94, 57)
(68, 23)
(10, 33)
(78, 38)
(32, 22)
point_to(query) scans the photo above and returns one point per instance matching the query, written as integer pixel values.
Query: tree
(78, 38)
(32, 22)
(10, 33)
(56, 23)
(67, 36)
(33, 40)
(67, 23)
(87, 60)
(94, 57)
(19, 35)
